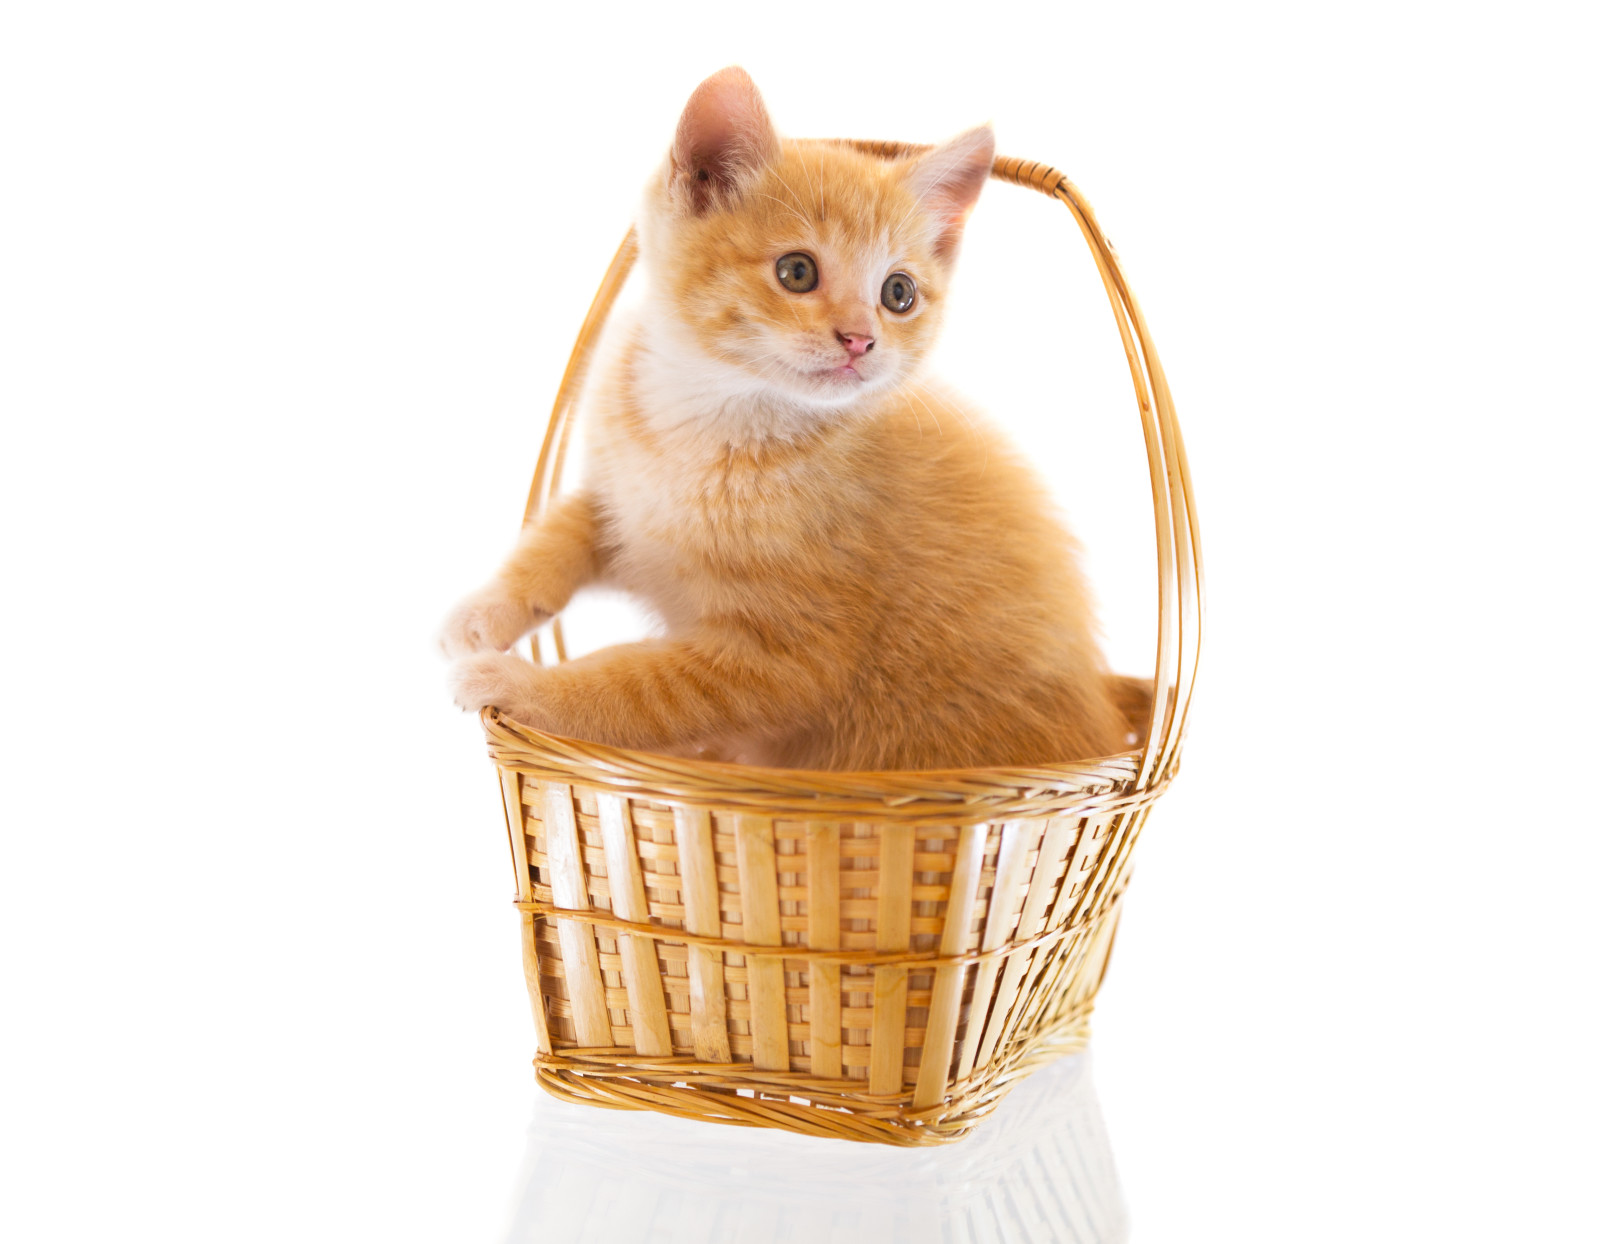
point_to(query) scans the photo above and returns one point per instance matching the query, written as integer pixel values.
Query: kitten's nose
(856, 343)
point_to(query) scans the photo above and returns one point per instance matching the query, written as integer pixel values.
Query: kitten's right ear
(723, 136)
(948, 179)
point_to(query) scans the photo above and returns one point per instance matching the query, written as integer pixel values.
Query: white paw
(494, 679)
(487, 621)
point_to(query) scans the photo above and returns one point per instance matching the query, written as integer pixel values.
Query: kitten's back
(976, 643)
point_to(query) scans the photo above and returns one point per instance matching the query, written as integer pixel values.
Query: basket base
(737, 1094)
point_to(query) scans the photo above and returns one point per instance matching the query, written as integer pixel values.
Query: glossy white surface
(1040, 1169)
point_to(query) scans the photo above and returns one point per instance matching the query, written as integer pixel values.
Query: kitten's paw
(499, 680)
(487, 621)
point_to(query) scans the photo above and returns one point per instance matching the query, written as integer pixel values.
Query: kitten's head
(803, 270)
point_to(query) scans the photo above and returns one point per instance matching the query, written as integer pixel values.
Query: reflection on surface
(1038, 1170)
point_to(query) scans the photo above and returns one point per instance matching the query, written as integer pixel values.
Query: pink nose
(855, 343)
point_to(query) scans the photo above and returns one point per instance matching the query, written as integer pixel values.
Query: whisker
(917, 398)
(788, 207)
(822, 213)
(784, 183)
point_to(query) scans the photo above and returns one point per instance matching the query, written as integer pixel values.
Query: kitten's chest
(726, 507)
(685, 526)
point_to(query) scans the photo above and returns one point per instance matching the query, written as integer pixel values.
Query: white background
(284, 294)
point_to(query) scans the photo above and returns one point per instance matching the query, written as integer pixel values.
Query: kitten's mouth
(841, 383)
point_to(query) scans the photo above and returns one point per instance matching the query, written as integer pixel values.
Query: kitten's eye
(798, 272)
(899, 293)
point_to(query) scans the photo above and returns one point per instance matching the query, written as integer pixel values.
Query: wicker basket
(874, 956)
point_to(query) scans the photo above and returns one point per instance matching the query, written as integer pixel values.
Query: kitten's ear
(948, 179)
(723, 136)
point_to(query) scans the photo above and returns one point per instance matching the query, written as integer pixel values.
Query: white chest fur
(701, 472)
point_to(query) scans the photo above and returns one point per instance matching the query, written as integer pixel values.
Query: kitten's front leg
(658, 694)
(553, 559)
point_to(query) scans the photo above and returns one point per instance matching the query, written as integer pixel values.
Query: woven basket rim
(940, 796)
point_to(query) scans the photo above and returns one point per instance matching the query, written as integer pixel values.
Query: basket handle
(1180, 572)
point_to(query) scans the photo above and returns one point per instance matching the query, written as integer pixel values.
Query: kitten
(852, 569)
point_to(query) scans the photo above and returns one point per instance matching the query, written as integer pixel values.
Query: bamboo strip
(516, 830)
(895, 849)
(1053, 955)
(1008, 872)
(1057, 986)
(1193, 603)
(547, 471)
(944, 1011)
(851, 939)
(641, 974)
(1083, 866)
(1109, 866)
(743, 1046)
(822, 933)
(1102, 941)
(660, 886)
(667, 853)
(1157, 427)
(1182, 627)
(579, 955)
(868, 957)
(1057, 838)
(703, 915)
(758, 909)
(793, 996)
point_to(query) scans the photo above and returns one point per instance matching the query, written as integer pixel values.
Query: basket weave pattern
(869, 956)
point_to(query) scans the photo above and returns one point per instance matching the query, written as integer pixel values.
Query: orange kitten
(853, 570)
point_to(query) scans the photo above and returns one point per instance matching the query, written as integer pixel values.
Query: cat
(851, 568)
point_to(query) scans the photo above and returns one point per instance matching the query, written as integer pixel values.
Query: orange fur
(853, 570)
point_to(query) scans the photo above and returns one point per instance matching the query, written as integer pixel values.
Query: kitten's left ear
(948, 180)
(724, 135)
